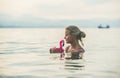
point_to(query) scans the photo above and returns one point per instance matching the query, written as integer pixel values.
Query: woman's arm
(66, 49)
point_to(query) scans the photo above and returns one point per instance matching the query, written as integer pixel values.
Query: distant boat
(100, 26)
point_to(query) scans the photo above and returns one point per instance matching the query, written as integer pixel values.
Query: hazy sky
(60, 9)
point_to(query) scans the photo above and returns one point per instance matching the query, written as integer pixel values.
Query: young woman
(72, 36)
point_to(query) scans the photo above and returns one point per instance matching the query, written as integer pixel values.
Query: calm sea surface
(24, 53)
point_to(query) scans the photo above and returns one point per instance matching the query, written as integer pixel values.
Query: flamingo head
(62, 43)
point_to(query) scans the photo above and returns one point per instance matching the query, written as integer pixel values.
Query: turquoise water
(24, 53)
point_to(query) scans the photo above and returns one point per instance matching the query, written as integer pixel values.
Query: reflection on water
(74, 65)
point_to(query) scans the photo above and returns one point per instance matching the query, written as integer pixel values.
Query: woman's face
(68, 37)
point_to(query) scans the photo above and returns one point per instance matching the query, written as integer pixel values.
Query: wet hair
(75, 31)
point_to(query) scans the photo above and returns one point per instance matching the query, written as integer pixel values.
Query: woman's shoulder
(81, 50)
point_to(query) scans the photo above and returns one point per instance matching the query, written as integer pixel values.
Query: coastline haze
(51, 13)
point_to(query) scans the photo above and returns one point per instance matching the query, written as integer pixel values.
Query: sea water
(24, 53)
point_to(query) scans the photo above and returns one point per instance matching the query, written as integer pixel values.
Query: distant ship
(100, 26)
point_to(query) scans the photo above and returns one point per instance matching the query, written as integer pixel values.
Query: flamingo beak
(63, 44)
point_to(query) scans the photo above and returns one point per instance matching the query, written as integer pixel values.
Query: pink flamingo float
(58, 50)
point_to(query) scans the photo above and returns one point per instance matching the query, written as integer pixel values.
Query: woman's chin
(67, 42)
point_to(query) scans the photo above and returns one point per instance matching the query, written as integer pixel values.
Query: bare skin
(75, 48)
